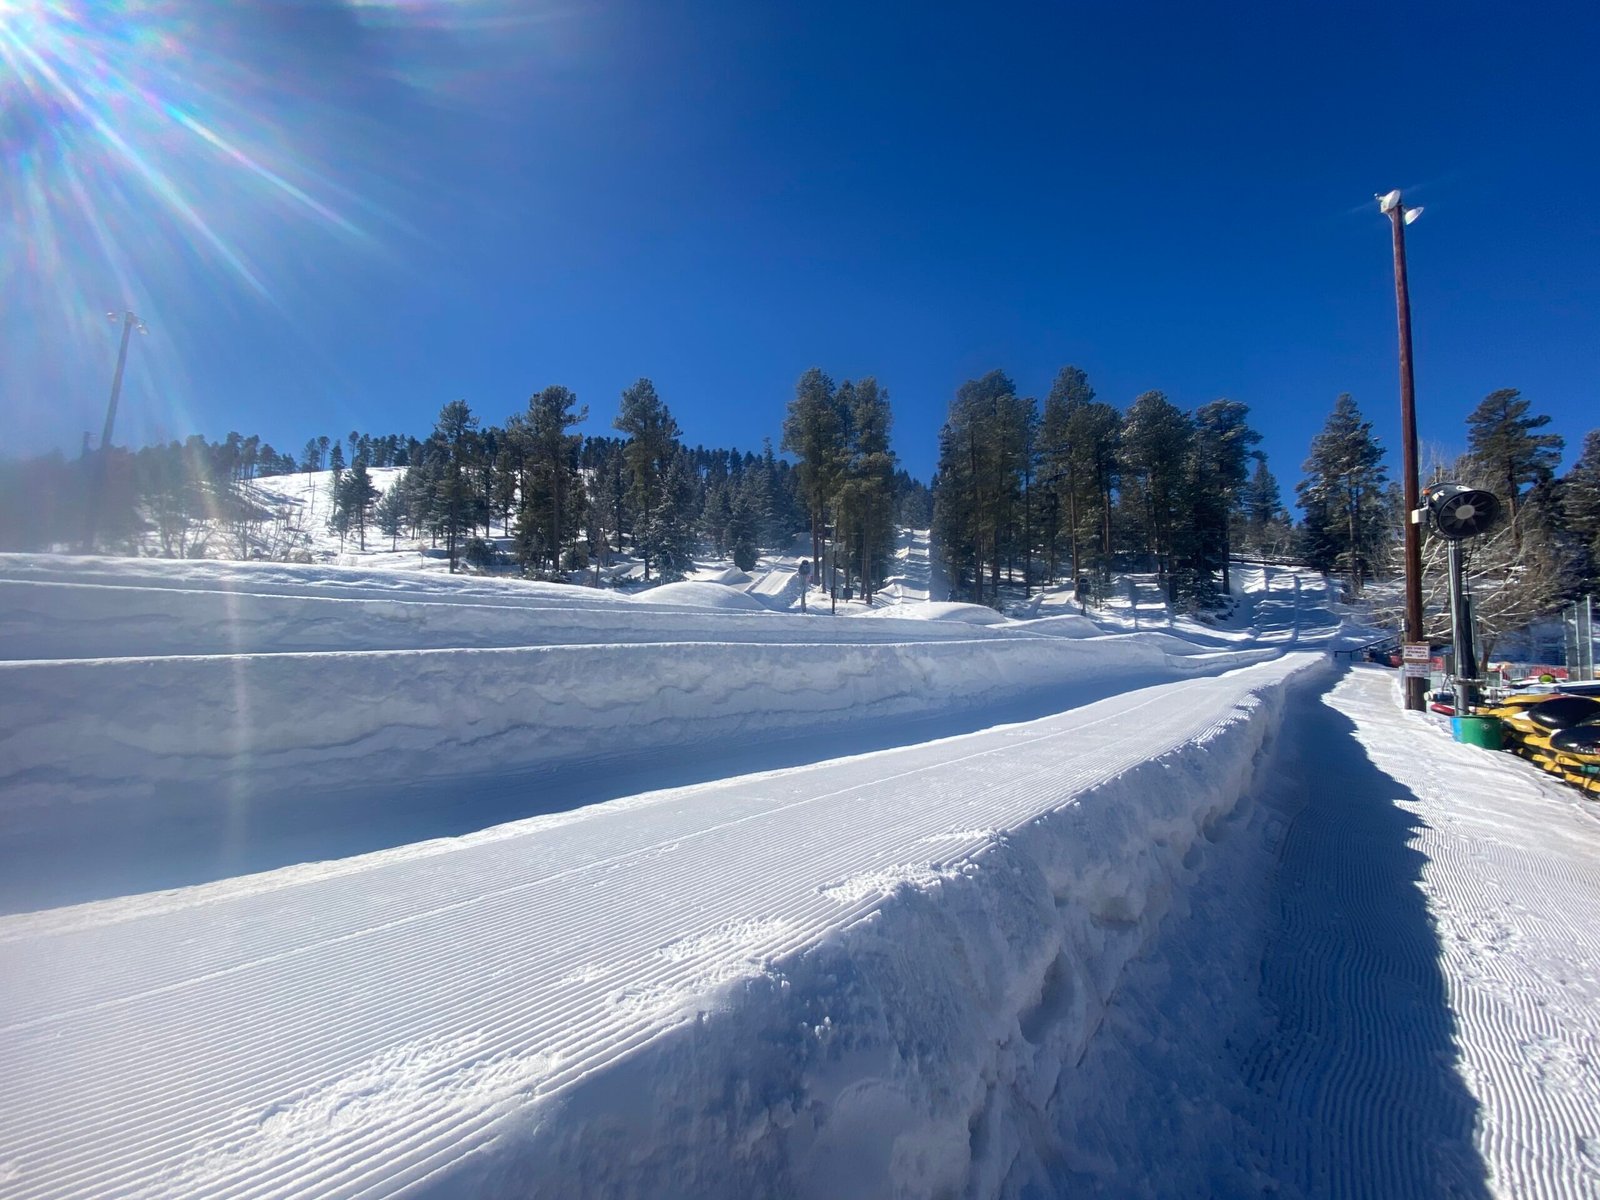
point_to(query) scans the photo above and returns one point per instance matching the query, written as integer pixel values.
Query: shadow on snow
(191, 834)
(1292, 1030)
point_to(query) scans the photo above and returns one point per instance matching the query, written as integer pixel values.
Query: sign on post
(1414, 660)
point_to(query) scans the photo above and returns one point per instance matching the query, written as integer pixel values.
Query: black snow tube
(1564, 711)
(1581, 739)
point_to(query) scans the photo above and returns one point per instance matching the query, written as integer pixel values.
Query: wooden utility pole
(1414, 631)
(102, 466)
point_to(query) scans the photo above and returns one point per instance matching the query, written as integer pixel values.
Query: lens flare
(124, 124)
(206, 164)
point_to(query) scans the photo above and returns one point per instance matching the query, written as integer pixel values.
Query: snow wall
(95, 731)
(915, 1053)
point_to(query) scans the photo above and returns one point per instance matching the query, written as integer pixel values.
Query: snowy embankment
(528, 676)
(863, 977)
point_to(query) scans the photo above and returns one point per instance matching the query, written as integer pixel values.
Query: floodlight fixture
(1413, 213)
(1388, 202)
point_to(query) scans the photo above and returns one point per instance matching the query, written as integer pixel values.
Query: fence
(1577, 627)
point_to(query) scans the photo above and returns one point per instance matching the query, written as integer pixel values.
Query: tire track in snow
(233, 1086)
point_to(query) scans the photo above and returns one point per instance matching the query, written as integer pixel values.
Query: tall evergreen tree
(550, 511)
(1580, 510)
(865, 497)
(358, 496)
(1157, 438)
(1266, 523)
(978, 488)
(1071, 430)
(814, 432)
(743, 524)
(1502, 443)
(1222, 443)
(651, 448)
(668, 536)
(453, 448)
(1342, 496)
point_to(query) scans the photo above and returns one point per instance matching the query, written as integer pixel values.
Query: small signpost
(1414, 660)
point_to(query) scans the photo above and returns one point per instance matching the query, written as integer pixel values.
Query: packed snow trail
(444, 1012)
(1384, 984)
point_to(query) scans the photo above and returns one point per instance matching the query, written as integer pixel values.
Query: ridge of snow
(897, 956)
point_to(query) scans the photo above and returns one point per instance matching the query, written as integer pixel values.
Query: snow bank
(911, 1053)
(111, 608)
(98, 729)
(940, 610)
(696, 593)
(854, 977)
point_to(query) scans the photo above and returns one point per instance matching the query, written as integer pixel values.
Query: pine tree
(339, 518)
(1222, 447)
(652, 445)
(1266, 523)
(773, 516)
(453, 448)
(979, 485)
(814, 432)
(668, 536)
(1157, 438)
(1580, 510)
(389, 513)
(360, 497)
(1342, 496)
(743, 521)
(1505, 449)
(1070, 429)
(550, 513)
(865, 498)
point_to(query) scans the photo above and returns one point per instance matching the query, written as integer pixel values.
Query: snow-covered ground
(501, 889)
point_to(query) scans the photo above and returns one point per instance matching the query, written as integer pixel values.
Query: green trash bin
(1477, 731)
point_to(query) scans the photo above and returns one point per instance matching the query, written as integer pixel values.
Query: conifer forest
(1026, 494)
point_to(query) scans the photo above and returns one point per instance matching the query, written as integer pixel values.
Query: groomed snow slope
(820, 982)
(568, 676)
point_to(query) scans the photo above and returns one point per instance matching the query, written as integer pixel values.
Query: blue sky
(338, 216)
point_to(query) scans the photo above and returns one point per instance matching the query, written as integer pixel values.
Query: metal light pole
(130, 322)
(1400, 217)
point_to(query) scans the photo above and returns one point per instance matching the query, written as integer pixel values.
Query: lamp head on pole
(1411, 214)
(1390, 202)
